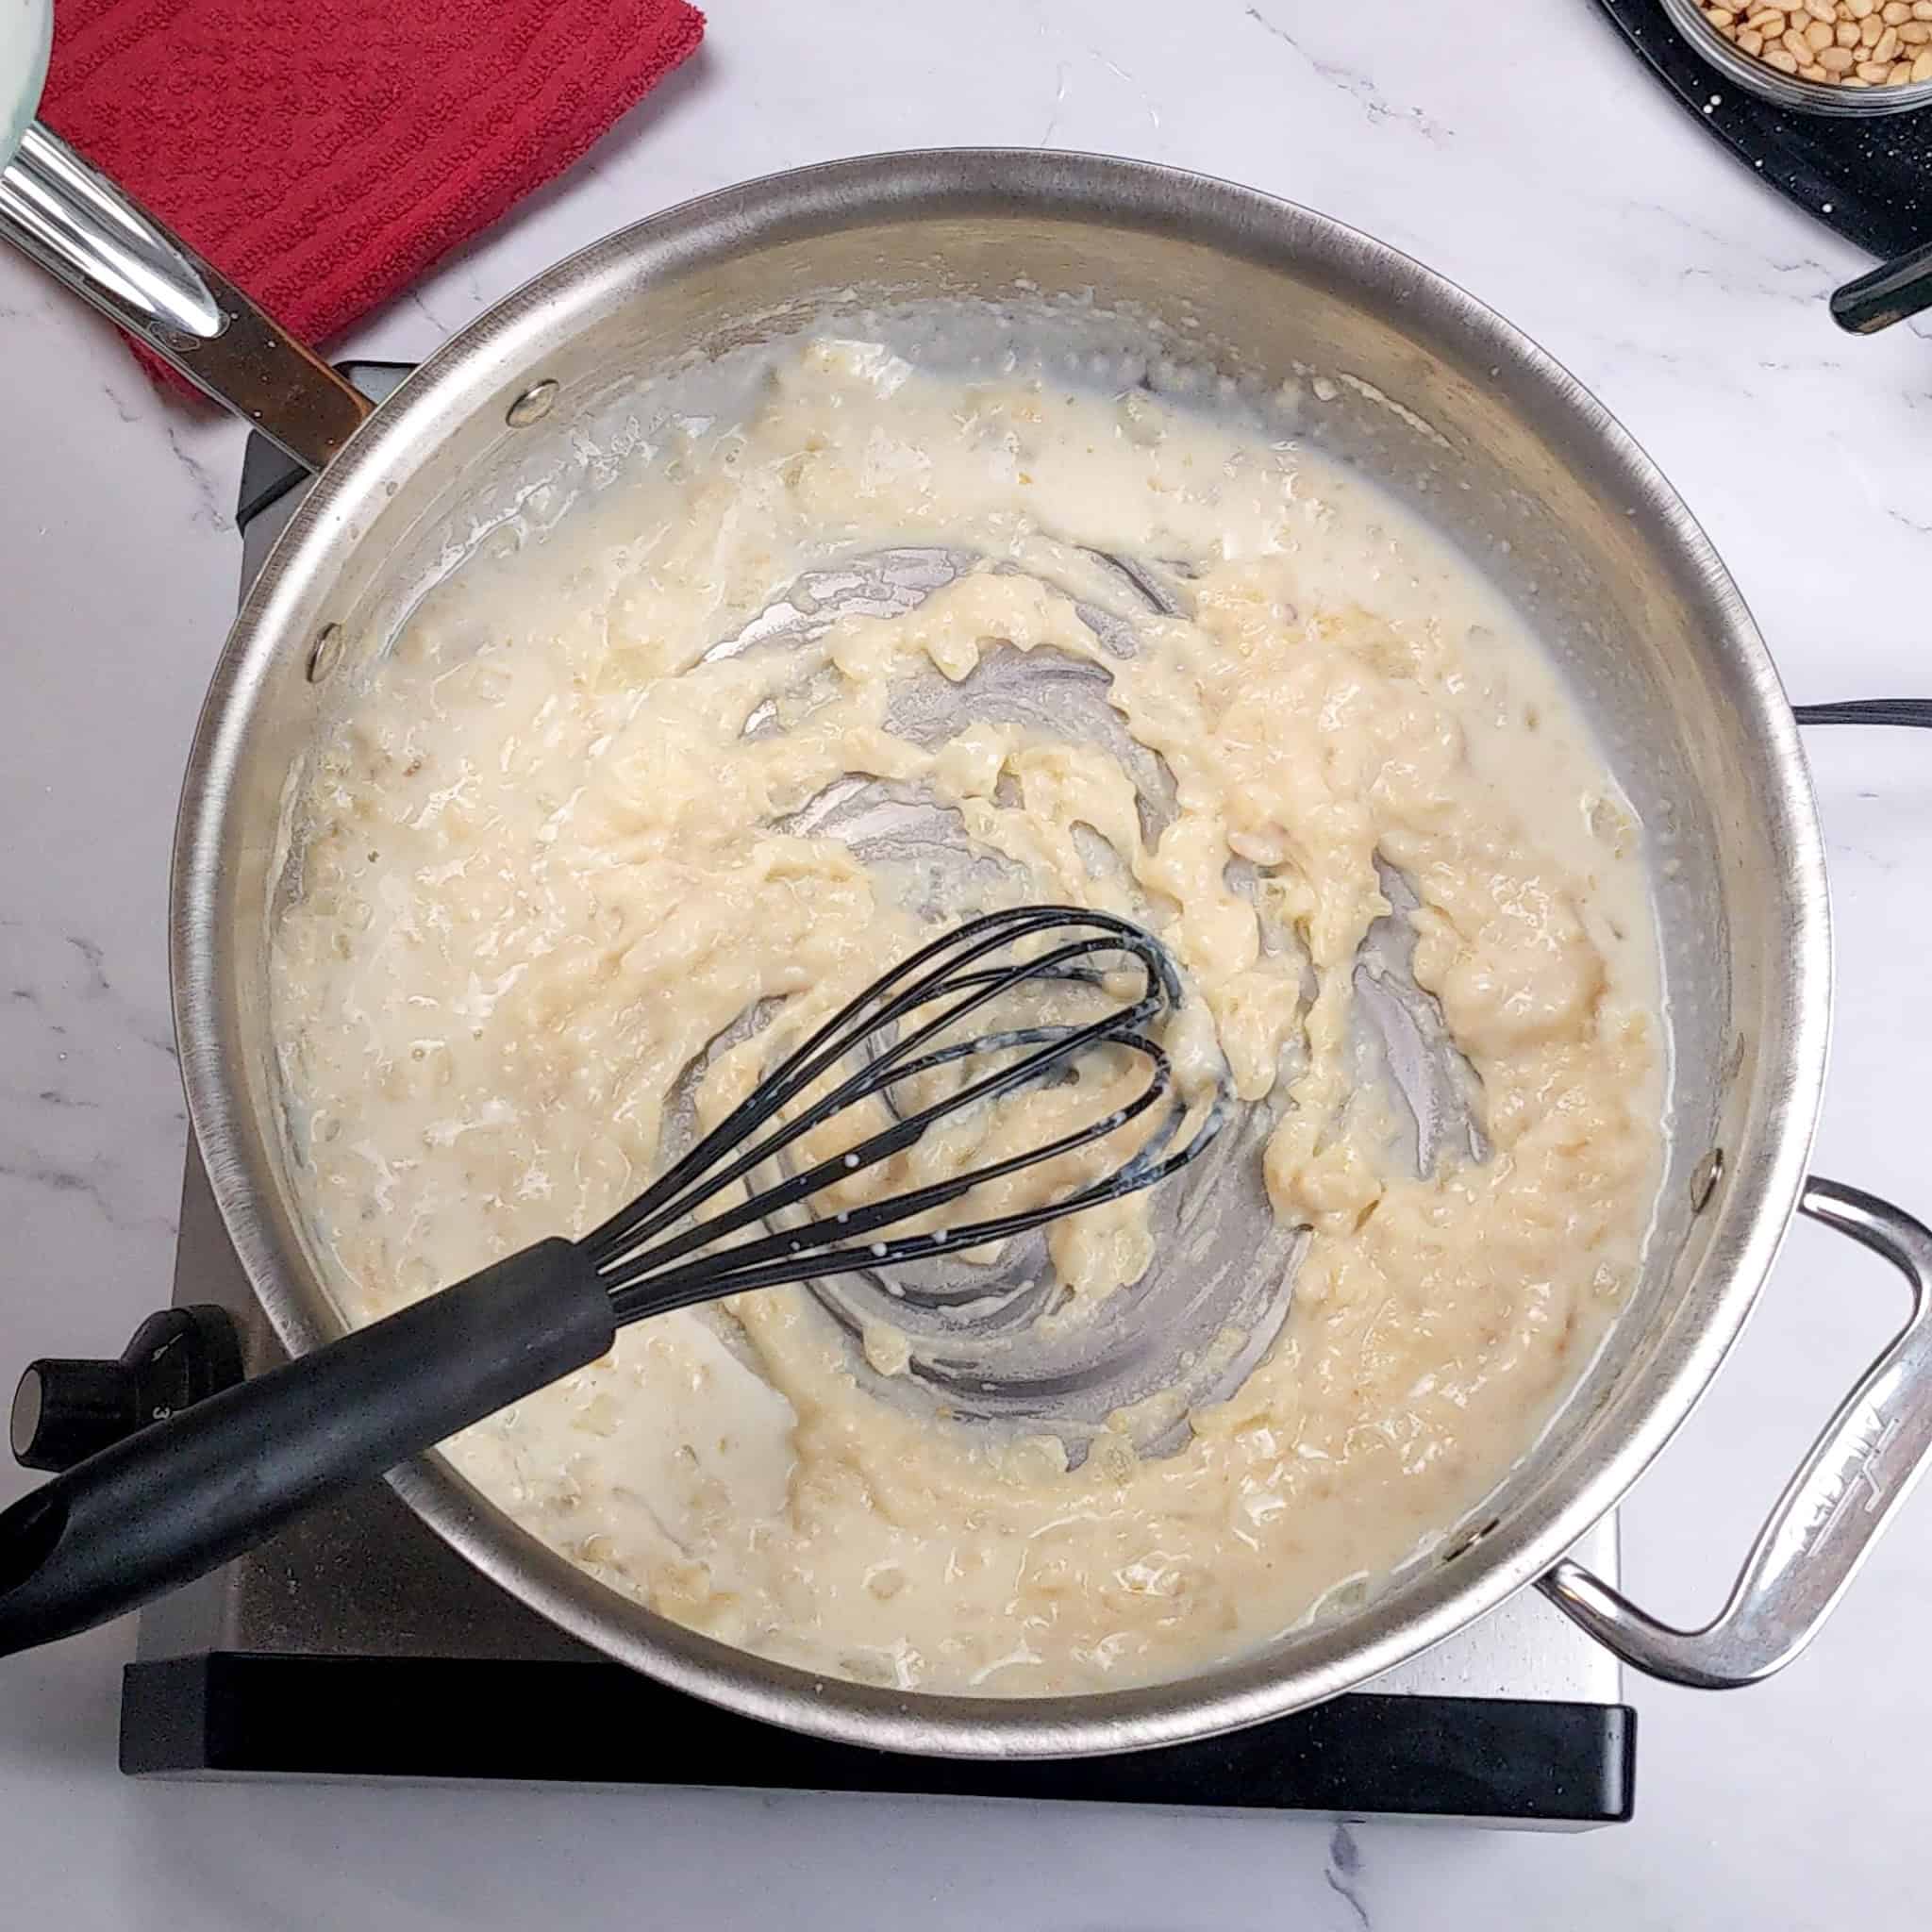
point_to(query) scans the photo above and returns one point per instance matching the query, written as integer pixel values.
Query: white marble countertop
(1524, 153)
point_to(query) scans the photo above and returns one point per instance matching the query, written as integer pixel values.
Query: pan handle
(1858, 1472)
(79, 227)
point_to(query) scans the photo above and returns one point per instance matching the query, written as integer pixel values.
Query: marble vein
(208, 497)
(1357, 84)
(1059, 96)
(1342, 1873)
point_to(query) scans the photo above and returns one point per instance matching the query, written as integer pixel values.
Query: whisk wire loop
(651, 1270)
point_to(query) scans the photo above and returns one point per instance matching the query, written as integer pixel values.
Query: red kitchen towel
(324, 153)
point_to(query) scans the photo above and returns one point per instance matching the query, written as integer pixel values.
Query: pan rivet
(532, 405)
(1711, 1170)
(1468, 1541)
(326, 652)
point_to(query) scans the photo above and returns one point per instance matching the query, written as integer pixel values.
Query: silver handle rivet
(326, 653)
(1462, 1544)
(1710, 1171)
(532, 405)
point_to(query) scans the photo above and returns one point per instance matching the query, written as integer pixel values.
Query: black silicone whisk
(191, 1491)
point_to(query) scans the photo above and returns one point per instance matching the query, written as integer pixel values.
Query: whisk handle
(182, 1495)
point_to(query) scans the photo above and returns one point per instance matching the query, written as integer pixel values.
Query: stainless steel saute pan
(1445, 403)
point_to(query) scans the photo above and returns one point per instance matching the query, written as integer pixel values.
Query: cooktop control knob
(65, 1409)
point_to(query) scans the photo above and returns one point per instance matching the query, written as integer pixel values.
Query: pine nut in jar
(1847, 43)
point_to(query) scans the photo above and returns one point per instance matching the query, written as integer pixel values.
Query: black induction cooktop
(356, 1644)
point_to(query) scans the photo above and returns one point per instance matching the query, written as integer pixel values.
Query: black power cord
(1912, 712)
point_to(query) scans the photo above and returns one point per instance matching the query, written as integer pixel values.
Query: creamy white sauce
(550, 857)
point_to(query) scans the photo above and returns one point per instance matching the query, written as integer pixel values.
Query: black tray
(228, 1714)
(1870, 180)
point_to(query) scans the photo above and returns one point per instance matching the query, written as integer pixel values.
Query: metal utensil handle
(75, 223)
(1858, 1472)
(172, 1500)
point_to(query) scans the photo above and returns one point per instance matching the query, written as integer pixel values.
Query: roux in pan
(555, 852)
